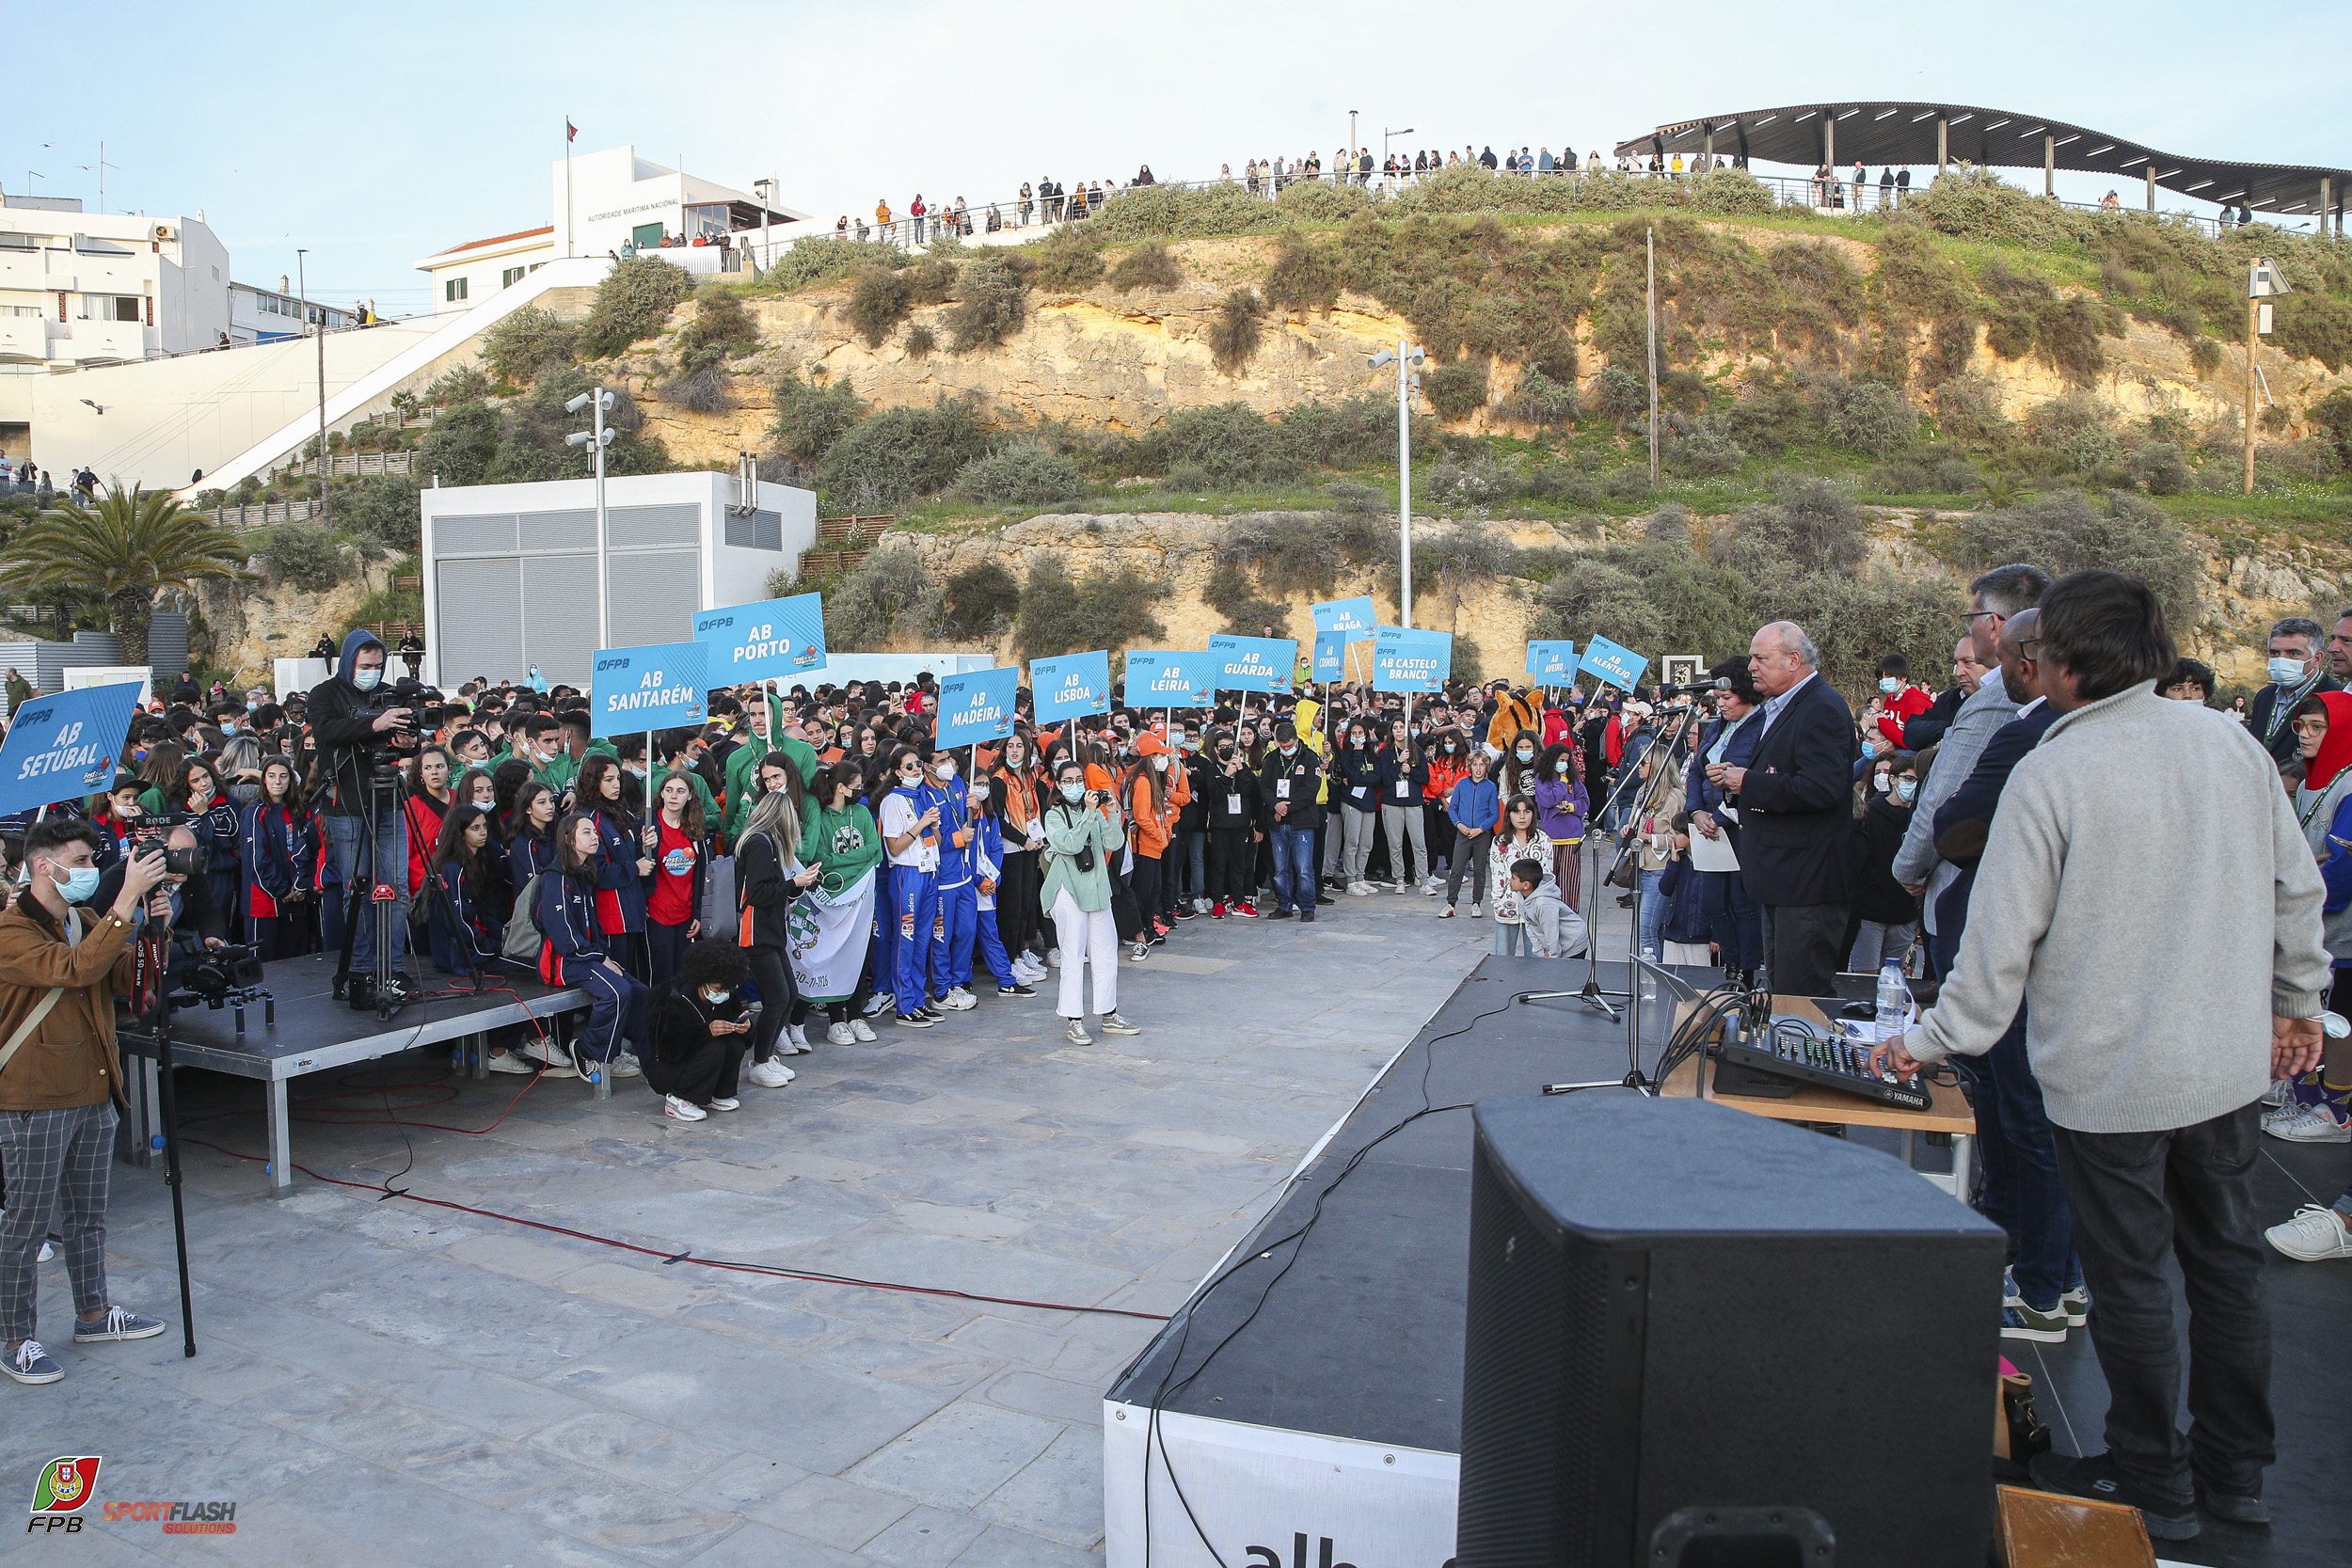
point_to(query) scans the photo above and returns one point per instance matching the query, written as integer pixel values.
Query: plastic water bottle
(1894, 1015)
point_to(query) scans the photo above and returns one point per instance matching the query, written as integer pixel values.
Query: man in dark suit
(1795, 798)
(2296, 672)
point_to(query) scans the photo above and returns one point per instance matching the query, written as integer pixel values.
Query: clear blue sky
(376, 141)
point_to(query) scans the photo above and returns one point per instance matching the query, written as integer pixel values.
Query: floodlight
(576, 404)
(1385, 356)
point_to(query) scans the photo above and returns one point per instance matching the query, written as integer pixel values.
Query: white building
(510, 570)
(81, 289)
(260, 315)
(605, 202)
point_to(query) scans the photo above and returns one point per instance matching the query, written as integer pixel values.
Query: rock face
(252, 623)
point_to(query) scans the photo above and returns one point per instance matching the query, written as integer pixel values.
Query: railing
(1001, 220)
(261, 514)
(850, 539)
(357, 463)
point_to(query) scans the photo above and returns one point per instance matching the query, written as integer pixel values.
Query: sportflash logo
(62, 1492)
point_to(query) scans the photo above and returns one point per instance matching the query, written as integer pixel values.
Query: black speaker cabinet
(1701, 1338)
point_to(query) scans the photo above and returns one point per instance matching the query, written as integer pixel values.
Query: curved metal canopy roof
(1906, 133)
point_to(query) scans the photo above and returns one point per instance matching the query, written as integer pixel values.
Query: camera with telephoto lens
(217, 976)
(378, 755)
(154, 833)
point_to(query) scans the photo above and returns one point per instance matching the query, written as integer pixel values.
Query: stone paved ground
(380, 1382)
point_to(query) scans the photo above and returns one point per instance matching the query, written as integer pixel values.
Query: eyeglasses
(2310, 726)
(2027, 645)
(1970, 618)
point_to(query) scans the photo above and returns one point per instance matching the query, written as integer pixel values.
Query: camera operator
(358, 732)
(61, 1081)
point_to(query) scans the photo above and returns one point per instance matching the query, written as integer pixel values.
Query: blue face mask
(2285, 671)
(1889, 685)
(366, 680)
(80, 882)
(1073, 792)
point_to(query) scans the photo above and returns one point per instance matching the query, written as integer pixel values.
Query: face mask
(717, 998)
(1879, 782)
(1526, 755)
(1560, 766)
(1449, 748)
(1889, 685)
(1073, 791)
(80, 883)
(2285, 671)
(228, 728)
(1290, 748)
(1905, 789)
(1159, 763)
(948, 769)
(366, 680)
(1224, 754)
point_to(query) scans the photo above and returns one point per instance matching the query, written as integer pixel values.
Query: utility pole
(1351, 141)
(1649, 244)
(2261, 281)
(302, 286)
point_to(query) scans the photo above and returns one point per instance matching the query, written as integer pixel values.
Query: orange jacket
(1153, 826)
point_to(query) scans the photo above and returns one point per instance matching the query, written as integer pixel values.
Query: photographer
(60, 1082)
(356, 732)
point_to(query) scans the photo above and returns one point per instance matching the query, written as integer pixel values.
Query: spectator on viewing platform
(882, 221)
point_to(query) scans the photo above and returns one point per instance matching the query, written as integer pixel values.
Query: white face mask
(1526, 755)
(948, 769)
(1880, 783)
(1159, 763)
(717, 998)
(366, 680)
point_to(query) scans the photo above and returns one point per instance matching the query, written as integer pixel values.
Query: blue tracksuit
(915, 911)
(988, 849)
(959, 893)
(573, 953)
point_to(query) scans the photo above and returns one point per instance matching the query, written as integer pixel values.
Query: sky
(376, 145)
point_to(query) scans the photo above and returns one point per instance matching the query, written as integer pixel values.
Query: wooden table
(1950, 1112)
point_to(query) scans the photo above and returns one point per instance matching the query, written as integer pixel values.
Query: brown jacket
(71, 1059)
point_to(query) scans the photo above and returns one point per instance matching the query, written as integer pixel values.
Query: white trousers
(1094, 938)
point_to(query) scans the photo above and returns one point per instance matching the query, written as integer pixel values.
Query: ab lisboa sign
(1071, 687)
(658, 685)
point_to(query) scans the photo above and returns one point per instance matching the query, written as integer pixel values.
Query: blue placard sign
(976, 706)
(1071, 687)
(64, 747)
(1346, 615)
(775, 639)
(1552, 661)
(1620, 667)
(1252, 663)
(1403, 660)
(660, 685)
(1157, 679)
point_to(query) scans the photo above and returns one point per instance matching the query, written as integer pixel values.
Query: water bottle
(1894, 1015)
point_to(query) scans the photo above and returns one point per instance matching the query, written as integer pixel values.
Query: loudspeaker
(1702, 1338)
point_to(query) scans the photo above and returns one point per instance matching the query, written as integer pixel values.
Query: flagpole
(569, 236)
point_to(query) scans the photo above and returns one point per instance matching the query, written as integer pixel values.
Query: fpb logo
(64, 1486)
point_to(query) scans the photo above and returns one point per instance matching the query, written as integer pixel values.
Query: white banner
(1269, 1499)
(829, 933)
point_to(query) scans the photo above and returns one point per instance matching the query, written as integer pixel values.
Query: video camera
(382, 755)
(215, 974)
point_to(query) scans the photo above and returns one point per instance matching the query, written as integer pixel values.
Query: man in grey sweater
(2160, 913)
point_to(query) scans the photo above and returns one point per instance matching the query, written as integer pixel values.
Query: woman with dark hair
(213, 817)
(681, 877)
(507, 780)
(1017, 914)
(1153, 808)
(462, 919)
(1445, 754)
(698, 1020)
(479, 790)
(1231, 793)
(160, 771)
(274, 858)
(1359, 773)
(839, 840)
(574, 949)
(1082, 833)
(529, 826)
(430, 774)
(1562, 801)
(624, 860)
(1400, 817)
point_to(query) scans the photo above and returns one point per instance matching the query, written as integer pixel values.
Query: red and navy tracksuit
(573, 952)
(275, 858)
(620, 892)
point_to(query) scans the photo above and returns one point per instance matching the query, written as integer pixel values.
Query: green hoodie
(743, 770)
(845, 844)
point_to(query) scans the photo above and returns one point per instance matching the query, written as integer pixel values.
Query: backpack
(522, 939)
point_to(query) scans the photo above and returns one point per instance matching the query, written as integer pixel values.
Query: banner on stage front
(1346, 615)
(1071, 687)
(1161, 679)
(64, 747)
(1620, 667)
(658, 685)
(1252, 663)
(1552, 661)
(976, 706)
(772, 640)
(827, 932)
(1403, 660)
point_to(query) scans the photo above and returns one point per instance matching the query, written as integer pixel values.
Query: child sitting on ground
(699, 1025)
(1553, 929)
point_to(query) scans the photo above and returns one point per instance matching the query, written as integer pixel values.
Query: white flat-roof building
(260, 315)
(104, 288)
(510, 570)
(607, 202)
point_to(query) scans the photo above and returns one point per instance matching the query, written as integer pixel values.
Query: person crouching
(699, 1025)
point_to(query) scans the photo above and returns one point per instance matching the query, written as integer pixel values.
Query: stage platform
(313, 1032)
(1306, 1410)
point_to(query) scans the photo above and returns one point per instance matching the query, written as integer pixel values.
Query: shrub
(864, 609)
(1303, 276)
(1469, 663)
(1811, 525)
(980, 599)
(460, 445)
(931, 280)
(2159, 469)
(814, 259)
(1771, 419)
(1230, 444)
(1024, 473)
(921, 340)
(2078, 427)
(810, 418)
(702, 392)
(632, 304)
(1150, 265)
(1457, 391)
(305, 556)
(2315, 326)
(1541, 400)
(525, 342)
(1707, 450)
(991, 308)
(1622, 396)
(1870, 417)
(1170, 213)
(1236, 327)
(1111, 609)
(878, 301)
(464, 384)
(721, 329)
(2068, 531)
(1968, 408)
(1068, 261)
(382, 508)
(903, 454)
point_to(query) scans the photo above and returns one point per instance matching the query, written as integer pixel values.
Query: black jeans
(711, 1072)
(2190, 1192)
(1232, 856)
(1150, 900)
(777, 998)
(1800, 947)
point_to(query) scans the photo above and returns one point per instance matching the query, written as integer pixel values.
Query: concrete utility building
(510, 570)
(604, 202)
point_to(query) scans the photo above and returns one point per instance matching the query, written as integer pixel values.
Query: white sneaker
(2312, 1124)
(2277, 1095)
(624, 1066)
(859, 1027)
(769, 1074)
(1431, 888)
(2314, 1235)
(839, 1034)
(880, 1005)
(1053, 958)
(725, 1103)
(1358, 890)
(558, 1060)
(510, 1061)
(959, 1000)
(682, 1110)
(1200, 905)
(47, 1252)
(796, 1035)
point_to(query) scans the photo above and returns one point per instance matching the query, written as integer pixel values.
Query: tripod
(166, 1100)
(382, 788)
(1591, 994)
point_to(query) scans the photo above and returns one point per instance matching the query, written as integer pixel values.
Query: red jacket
(1902, 708)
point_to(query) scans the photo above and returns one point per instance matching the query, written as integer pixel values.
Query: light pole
(766, 188)
(1351, 143)
(1405, 357)
(1385, 135)
(596, 439)
(302, 288)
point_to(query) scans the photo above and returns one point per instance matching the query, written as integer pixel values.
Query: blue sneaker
(29, 1362)
(118, 1323)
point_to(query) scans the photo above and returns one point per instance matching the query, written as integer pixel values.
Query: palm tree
(126, 548)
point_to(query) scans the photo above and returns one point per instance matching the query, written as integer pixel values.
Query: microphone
(1720, 683)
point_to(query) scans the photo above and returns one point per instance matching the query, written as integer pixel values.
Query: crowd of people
(23, 477)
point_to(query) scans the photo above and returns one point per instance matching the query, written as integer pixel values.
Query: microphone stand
(1592, 993)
